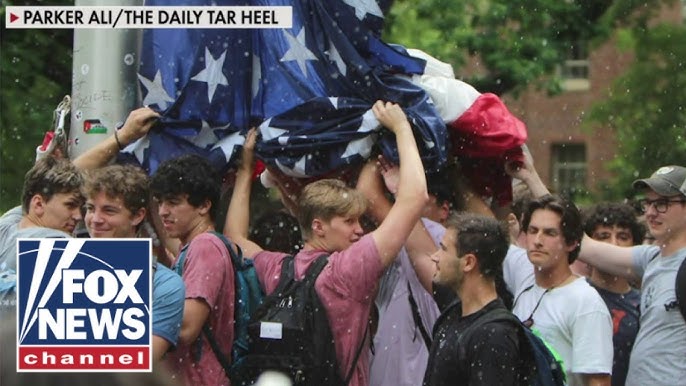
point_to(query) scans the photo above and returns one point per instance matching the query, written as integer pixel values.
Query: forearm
(412, 181)
(237, 220)
(420, 246)
(99, 155)
(608, 257)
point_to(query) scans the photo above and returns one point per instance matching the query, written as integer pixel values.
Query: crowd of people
(422, 259)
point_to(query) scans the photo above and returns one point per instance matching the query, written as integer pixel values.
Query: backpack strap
(680, 288)
(236, 261)
(351, 371)
(417, 317)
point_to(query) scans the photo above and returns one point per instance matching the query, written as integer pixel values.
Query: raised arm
(608, 257)
(136, 126)
(419, 244)
(412, 195)
(237, 221)
(526, 172)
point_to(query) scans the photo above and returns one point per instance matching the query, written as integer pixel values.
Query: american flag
(308, 88)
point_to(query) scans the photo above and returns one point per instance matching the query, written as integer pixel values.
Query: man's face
(342, 231)
(613, 234)
(436, 210)
(108, 217)
(546, 247)
(179, 217)
(672, 223)
(448, 264)
(62, 211)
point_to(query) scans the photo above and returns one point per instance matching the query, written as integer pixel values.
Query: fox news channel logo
(84, 305)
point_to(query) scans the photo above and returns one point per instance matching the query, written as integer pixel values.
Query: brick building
(567, 157)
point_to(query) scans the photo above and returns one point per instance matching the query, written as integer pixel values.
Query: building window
(574, 72)
(569, 168)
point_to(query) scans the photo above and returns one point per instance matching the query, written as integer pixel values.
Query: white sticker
(270, 330)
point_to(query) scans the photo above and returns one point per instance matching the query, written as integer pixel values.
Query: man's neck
(669, 245)
(29, 221)
(476, 295)
(553, 277)
(611, 283)
(204, 225)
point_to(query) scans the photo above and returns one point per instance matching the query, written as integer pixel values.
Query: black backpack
(538, 365)
(290, 333)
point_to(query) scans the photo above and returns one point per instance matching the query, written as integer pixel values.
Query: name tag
(271, 330)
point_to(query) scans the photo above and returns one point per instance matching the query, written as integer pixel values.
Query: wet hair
(189, 175)
(570, 219)
(50, 176)
(326, 199)
(614, 214)
(277, 231)
(483, 236)
(128, 182)
(442, 186)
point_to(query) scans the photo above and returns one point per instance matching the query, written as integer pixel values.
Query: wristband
(116, 138)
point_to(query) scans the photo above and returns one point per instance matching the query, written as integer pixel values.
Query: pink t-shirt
(346, 287)
(208, 275)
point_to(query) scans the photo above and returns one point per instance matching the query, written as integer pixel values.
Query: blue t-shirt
(168, 296)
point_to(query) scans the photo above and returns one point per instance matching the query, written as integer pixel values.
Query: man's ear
(138, 217)
(444, 209)
(37, 205)
(470, 262)
(317, 227)
(573, 246)
(205, 207)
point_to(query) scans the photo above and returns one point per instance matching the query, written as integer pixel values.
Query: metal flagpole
(104, 82)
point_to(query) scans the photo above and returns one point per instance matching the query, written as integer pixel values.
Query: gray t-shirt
(9, 233)
(659, 354)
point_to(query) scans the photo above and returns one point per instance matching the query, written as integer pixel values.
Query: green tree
(35, 71)
(646, 107)
(516, 43)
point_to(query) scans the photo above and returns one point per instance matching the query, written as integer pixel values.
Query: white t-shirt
(573, 318)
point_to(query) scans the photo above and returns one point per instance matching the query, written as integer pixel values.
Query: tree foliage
(516, 43)
(647, 108)
(35, 69)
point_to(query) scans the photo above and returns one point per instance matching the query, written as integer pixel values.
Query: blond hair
(326, 199)
(50, 176)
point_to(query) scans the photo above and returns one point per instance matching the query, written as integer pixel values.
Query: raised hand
(390, 173)
(391, 116)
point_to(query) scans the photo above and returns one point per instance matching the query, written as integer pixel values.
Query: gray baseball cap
(667, 181)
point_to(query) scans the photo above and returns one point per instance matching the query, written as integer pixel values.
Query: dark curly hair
(189, 174)
(570, 219)
(614, 214)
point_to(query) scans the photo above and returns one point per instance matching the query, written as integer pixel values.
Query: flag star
(334, 102)
(298, 51)
(212, 73)
(205, 136)
(363, 7)
(268, 132)
(336, 57)
(138, 148)
(363, 146)
(429, 144)
(298, 169)
(256, 75)
(228, 144)
(156, 95)
(369, 122)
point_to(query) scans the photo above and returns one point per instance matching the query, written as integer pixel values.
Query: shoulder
(167, 278)
(205, 242)
(42, 232)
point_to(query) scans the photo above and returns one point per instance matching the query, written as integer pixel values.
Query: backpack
(248, 297)
(290, 333)
(538, 364)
